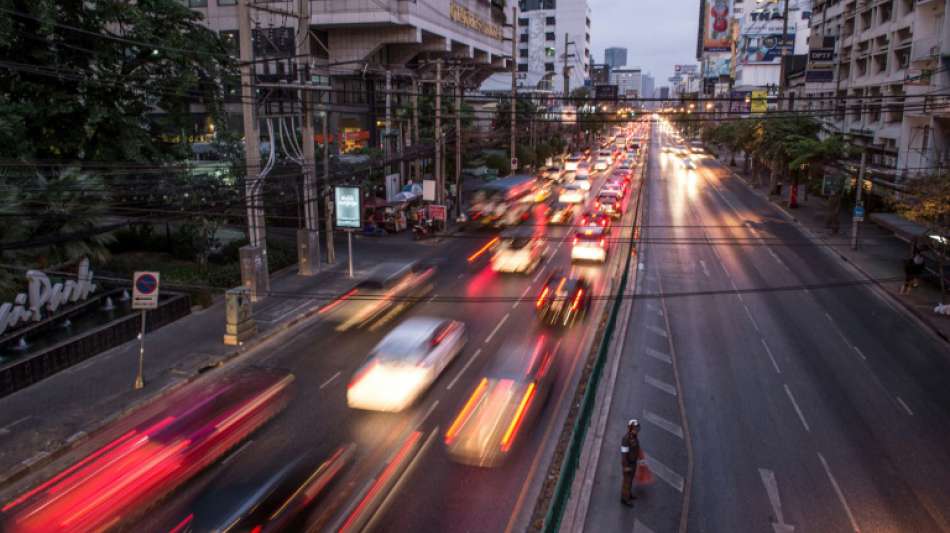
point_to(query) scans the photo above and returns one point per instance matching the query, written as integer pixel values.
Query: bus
(503, 202)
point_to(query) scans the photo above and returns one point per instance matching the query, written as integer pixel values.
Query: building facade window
(549, 36)
(549, 67)
(523, 52)
(522, 67)
(227, 2)
(550, 21)
(523, 38)
(523, 22)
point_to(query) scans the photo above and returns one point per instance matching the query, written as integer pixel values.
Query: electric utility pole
(857, 216)
(254, 275)
(567, 71)
(308, 237)
(438, 131)
(781, 81)
(458, 141)
(514, 84)
(387, 144)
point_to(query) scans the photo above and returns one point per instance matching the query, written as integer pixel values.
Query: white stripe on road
(236, 452)
(798, 410)
(659, 331)
(525, 293)
(860, 352)
(771, 357)
(663, 423)
(841, 498)
(905, 406)
(771, 488)
(638, 527)
(660, 356)
(775, 256)
(705, 270)
(433, 297)
(429, 411)
(329, 381)
(751, 319)
(665, 473)
(538, 275)
(6, 429)
(494, 331)
(464, 368)
(662, 385)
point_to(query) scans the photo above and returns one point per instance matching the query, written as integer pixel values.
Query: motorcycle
(423, 229)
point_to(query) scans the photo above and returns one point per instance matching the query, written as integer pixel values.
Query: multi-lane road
(777, 388)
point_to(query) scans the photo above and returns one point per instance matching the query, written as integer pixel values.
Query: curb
(908, 309)
(44, 458)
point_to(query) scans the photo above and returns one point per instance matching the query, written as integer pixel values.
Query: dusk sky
(656, 33)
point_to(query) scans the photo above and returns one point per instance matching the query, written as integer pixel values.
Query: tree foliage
(104, 80)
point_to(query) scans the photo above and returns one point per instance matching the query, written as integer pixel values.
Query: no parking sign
(145, 290)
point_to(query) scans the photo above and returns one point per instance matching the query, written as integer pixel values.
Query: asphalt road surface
(804, 400)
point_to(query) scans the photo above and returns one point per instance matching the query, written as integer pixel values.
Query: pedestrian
(629, 458)
(913, 268)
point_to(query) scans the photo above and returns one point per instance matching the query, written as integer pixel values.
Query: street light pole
(514, 81)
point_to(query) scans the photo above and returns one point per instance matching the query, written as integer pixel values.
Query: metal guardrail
(22, 373)
(562, 490)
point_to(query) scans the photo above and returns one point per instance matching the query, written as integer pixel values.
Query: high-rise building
(646, 86)
(887, 60)
(628, 81)
(543, 26)
(615, 56)
(663, 93)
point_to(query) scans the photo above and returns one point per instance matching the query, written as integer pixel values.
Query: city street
(776, 389)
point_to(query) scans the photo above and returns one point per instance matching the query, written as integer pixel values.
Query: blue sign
(859, 212)
(146, 284)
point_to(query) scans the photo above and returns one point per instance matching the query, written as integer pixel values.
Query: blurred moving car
(688, 164)
(611, 205)
(590, 244)
(563, 300)
(118, 482)
(561, 213)
(583, 181)
(552, 173)
(405, 363)
(518, 250)
(583, 171)
(572, 193)
(510, 397)
(390, 288)
(594, 218)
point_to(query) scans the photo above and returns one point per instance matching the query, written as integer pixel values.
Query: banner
(759, 102)
(717, 36)
(761, 48)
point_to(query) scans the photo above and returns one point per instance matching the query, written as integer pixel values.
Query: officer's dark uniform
(629, 455)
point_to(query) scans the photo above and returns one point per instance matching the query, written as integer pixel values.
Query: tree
(809, 157)
(928, 203)
(109, 80)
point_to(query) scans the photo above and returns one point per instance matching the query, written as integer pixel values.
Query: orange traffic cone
(644, 474)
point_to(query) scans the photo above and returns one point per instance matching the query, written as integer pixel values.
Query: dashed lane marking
(663, 423)
(329, 381)
(771, 357)
(662, 385)
(523, 294)
(705, 270)
(798, 410)
(464, 368)
(860, 353)
(841, 498)
(665, 473)
(905, 406)
(751, 318)
(494, 331)
(659, 331)
(659, 356)
(638, 527)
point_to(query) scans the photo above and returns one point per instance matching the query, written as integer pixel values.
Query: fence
(24, 372)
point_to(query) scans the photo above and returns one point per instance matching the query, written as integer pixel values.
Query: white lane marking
(236, 452)
(904, 405)
(663, 423)
(500, 324)
(638, 527)
(665, 473)
(771, 357)
(429, 411)
(775, 256)
(329, 381)
(6, 429)
(751, 318)
(771, 488)
(433, 297)
(798, 410)
(841, 498)
(705, 270)
(460, 276)
(523, 294)
(660, 356)
(464, 368)
(860, 352)
(662, 385)
(652, 306)
(538, 275)
(659, 331)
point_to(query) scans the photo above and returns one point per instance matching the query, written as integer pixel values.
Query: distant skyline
(656, 33)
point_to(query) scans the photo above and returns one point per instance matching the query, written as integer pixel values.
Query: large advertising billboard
(761, 48)
(718, 65)
(717, 34)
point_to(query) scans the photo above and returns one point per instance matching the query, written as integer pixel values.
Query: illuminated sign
(348, 207)
(759, 101)
(42, 295)
(470, 20)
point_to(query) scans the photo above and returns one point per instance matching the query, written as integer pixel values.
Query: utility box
(239, 323)
(254, 274)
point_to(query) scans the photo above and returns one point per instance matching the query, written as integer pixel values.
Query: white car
(518, 251)
(602, 164)
(583, 182)
(590, 244)
(405, 363)
(572, 193)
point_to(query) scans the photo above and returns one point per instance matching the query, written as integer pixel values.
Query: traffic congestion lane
(443, 495)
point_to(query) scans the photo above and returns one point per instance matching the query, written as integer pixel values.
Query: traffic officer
(629, 455)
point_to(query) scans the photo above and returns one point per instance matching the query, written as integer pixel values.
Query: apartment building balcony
(921, 3)
(925, 52)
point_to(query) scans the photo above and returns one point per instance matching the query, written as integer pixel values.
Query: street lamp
(709, 106)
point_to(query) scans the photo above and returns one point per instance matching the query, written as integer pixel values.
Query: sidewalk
(45, 420)
(880, 255)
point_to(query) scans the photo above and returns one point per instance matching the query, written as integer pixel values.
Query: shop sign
(42, 295)
(465, 17)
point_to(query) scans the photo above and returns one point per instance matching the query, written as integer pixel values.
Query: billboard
(347, 207)
(820, 67)
(683, 70)
(718, 65)
(759, 102)
(761, 48)
(717, 36)
(605, 92)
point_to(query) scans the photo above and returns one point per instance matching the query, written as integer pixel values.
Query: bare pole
(458, 141)
(416, 164)
(438, 131)
(308, 239)
(254, 273)
(328, 203)
(514, 81)
(855, 221)
(781, 81)
(387, 139)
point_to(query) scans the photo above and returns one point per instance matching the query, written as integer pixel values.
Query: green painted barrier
(562, 490)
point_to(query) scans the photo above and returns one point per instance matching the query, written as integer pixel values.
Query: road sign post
(144, 297)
